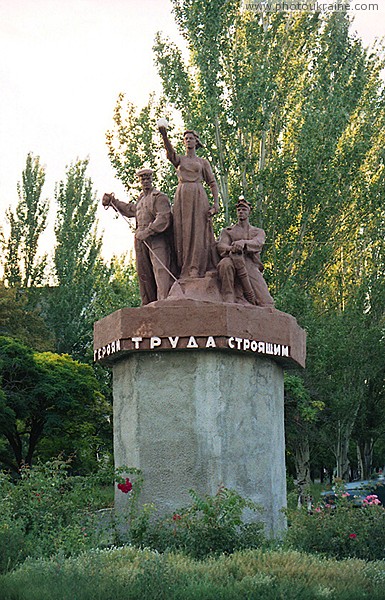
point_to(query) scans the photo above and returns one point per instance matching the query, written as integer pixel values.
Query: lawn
(128, 573)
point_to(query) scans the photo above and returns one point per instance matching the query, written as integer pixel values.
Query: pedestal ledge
(186, 324)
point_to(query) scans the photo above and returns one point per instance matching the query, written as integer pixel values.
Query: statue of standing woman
(193, 231)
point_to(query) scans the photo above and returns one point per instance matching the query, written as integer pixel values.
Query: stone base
(203, 289)
(234, 328)
(198, 396)
(199, 419)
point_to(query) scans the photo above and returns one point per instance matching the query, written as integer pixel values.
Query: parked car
(359, 490)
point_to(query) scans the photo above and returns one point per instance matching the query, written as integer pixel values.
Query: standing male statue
(240, 270)
(153, 242)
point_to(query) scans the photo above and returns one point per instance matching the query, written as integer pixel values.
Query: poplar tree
(22, 265)
(290, 108)
(78, 266)
(276, 97)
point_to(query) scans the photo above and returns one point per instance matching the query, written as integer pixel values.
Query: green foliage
(302, 413)
(285, 102)
(19, 375)
(298, 397)
(49, 396)
(118, 574)
(50, 517)
(346, 369)
(118, 288)
(22, 265)
(21, 319)
(45, 512)
(78, 268)
(211, 525)
(341, 530)
(135, 141)
(59, 317)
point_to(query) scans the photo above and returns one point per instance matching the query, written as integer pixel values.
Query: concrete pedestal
(200, 419)
(198, 399)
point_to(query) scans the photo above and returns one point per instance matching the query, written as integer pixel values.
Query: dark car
(358, 491)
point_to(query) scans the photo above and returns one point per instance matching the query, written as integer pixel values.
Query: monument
(198, 373)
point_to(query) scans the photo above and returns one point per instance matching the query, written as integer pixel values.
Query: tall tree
(78, 266)
(18, 375)
(276, 97)
(291, 110)
(301, 415)
(23, 266)
(242, 70)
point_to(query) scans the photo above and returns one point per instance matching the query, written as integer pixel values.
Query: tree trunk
(321, 474)
(261, 166)
(37, 428)
(365, 458)
(342, 449)
(302, 468)
(16, 445)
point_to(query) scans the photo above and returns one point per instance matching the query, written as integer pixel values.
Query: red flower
(352, 536)
(176, 517)
(125, 487)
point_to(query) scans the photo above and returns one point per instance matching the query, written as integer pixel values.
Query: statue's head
(190, 136)
(243, 208)
(145, 176)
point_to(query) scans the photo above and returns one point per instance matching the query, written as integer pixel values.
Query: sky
(63, 64)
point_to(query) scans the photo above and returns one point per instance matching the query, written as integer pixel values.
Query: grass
(129, 574)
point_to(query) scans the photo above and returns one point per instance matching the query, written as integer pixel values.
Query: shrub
(211, 525)
(340, 530)
(44, 512)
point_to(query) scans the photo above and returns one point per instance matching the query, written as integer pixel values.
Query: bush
(44, 512)
(341, 530)
(211, 525)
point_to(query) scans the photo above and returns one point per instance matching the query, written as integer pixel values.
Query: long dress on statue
(193, 231)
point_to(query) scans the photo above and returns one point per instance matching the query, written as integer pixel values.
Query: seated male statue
(240, 268)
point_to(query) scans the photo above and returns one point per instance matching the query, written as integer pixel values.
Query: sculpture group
(177, 243)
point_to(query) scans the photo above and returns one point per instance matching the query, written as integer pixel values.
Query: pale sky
(63, 63)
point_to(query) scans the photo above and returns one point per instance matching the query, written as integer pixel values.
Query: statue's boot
(243, 275)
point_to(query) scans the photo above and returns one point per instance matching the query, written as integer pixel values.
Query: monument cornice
(186, 324)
